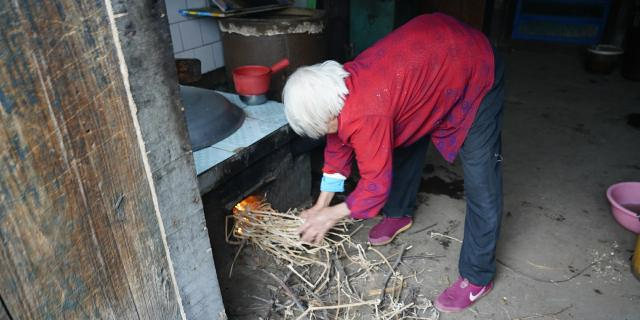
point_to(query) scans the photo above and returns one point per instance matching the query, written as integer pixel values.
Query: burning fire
(250, 202)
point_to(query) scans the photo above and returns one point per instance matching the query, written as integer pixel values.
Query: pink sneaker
(460, 295)
(387, 229)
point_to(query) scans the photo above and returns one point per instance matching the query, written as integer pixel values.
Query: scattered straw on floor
(330, 280)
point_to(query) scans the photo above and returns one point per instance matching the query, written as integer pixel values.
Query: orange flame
(250, 202)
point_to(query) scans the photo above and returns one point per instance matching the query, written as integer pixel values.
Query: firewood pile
(338, 279)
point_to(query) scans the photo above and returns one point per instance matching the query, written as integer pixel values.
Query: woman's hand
(320, 221)
(323, 201)
(306, 214)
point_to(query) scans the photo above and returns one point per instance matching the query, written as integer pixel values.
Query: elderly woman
(433, 79)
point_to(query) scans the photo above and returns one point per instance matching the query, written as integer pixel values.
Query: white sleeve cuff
(334, 176)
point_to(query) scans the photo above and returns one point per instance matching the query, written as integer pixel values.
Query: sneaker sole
(403, 229)
(445, 310)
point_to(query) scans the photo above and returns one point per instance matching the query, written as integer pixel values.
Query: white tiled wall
(195, 37)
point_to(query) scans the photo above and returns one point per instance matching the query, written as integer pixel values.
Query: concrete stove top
(263, 122)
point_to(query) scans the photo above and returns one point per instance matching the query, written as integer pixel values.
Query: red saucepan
(252, 82)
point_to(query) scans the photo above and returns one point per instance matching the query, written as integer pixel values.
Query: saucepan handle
(278, 66)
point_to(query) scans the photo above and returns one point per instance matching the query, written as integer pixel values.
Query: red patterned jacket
(428, 77)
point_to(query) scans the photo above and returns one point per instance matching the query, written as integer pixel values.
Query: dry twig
(440, 235)
(286, 289)
(340, 306)
(544, 315)
(324, 283)
(392, 272)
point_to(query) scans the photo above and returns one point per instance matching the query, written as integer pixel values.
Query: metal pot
(603, 58)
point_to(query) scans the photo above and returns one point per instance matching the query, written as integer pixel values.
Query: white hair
(313, 95)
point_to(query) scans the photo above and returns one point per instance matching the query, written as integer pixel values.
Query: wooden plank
(79, 232)
(152, 77)
(4, 314)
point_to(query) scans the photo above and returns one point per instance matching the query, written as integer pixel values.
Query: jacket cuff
(331, 183)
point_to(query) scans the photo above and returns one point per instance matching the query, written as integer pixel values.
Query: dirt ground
(566, 139)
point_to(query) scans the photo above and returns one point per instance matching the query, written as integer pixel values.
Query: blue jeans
(481, 156)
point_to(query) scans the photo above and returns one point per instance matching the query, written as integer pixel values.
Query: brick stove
(263, 157)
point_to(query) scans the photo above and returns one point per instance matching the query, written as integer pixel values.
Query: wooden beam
(4, 314)
(144, 39)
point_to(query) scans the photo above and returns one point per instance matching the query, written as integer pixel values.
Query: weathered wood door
(82, 208)
(3, 313)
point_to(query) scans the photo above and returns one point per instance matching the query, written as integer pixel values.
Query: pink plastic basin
(625, 204)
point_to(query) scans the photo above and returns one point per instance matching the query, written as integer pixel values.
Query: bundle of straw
(255, 222)
(276, 233)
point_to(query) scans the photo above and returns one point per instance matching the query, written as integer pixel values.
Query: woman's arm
(373, 145)
(337, 167)
(316, 227)
(337, 156)
(323, 201)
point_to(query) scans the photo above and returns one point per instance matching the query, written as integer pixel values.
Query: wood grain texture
(144, 33)
(79, 237)
(4, 315)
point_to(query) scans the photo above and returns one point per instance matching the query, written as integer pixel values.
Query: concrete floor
(566, 139)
